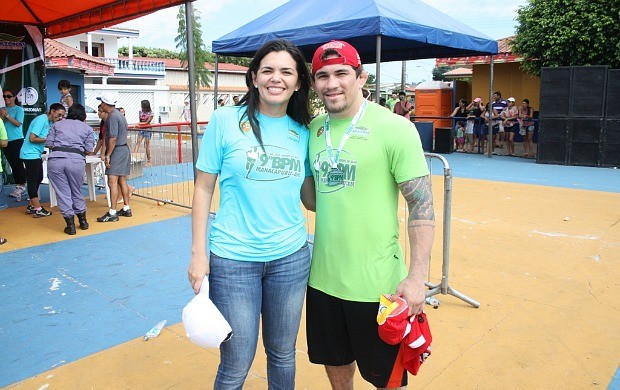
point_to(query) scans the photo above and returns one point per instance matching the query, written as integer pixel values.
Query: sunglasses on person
(7, 96)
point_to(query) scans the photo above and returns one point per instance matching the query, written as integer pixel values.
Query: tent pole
(490, 129)
(403, 75)
(217, 64)
(189, 23)
(378, 71)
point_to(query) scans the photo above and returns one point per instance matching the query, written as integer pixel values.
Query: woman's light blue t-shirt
(14, 132)
(39, 126)
(260, 216)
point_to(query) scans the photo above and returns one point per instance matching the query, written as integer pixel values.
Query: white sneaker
(18, 192)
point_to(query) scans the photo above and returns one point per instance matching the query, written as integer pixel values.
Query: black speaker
(553, 129)
(588, 90)
(552, 153)
(555, 86)
(612, 107)
(584, 153)
(444, 140)
(586, 130)
(610, 155)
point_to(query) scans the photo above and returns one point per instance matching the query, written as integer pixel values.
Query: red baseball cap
(347, 55)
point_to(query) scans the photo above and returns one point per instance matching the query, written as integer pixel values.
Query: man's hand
(412, 292)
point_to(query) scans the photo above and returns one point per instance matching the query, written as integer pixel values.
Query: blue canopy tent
(381, 30)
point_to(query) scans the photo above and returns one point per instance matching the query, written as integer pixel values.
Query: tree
(438, 72)
(141, 51)
(565, 33)
(201, 55)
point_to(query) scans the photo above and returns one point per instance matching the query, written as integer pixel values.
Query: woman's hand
(198, 268)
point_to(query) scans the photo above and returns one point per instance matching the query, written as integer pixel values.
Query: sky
(493, 18)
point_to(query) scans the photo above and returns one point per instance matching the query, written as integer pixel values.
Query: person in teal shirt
(31, 152)
(257, 257)
(4, 141)
(13, 117)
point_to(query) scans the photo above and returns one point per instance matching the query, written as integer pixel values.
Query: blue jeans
(244, 291)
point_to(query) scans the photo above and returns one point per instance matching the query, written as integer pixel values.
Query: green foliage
(438, 72)
(567, 33)
(201, 55)
(243, 61)
(141, 51)
(371, 79)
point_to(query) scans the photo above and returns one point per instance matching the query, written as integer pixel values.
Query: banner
(22, 68)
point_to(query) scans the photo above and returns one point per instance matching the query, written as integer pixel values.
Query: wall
(53, 76)
(509, 80)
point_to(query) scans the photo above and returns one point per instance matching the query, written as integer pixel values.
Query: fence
(168, 178)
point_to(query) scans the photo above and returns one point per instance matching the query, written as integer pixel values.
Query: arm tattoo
(419, 197)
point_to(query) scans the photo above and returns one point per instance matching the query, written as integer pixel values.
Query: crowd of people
(507, 119)
(68, 139)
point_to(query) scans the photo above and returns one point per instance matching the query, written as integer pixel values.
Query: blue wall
(53, 76)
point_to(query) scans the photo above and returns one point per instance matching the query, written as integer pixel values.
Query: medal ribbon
(334, 157)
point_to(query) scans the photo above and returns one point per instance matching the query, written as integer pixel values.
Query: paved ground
(537, 245)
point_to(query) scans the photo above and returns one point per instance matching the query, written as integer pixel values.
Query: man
(220, 103)
(117, 158)
(498, 105)
(362, 155)
(31, 152)
(236, 100)
(403, 107)
(391, 102)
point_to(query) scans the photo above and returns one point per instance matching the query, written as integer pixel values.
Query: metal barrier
(443, 286)
(169, 176)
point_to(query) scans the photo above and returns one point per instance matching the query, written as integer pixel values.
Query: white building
(163, 82)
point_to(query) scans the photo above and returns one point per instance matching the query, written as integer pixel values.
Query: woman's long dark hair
(297, 107)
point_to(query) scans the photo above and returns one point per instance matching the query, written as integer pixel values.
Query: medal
(335, 177)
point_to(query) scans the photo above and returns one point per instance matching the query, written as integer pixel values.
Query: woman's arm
(201, 207)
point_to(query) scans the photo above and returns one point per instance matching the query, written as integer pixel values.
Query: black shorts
(340, 332)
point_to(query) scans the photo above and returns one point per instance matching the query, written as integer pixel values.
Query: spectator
(474, 112)
(383, 103)
(64, 87)
(186, 113)
(459, 114)
(526, 116)
(69, 142)
(31, 153)
(220, 103)
(403, 107)
(13, 117)
(391, 102)
(499, 105)
(460, 136)
(235, 100)
(509, 118)
(146, 116)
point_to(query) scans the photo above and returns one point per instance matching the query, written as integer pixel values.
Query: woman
(13, 117)
(509, 117)
(459, 114)
(475, 110)
(526, 114)
(146, 116)
(69, 142)
(258, 261)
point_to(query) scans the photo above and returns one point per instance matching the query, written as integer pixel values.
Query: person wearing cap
(475, 109)
(362, 156)
(257, 256)
(510, 116)
(117, 158)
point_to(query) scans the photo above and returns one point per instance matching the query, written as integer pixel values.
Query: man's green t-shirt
(357, 255)
(391, 103)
